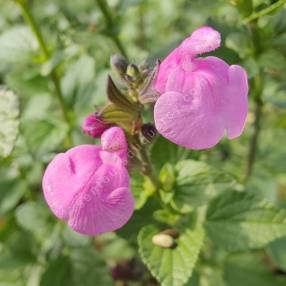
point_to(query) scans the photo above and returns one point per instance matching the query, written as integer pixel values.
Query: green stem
(111, 26)
(258, 89)
(254, 139)
(264, 12)
(29, 18)
(147, 167)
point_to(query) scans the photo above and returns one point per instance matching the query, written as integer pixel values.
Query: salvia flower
(88, 186)
(94, 126)
(200, 99)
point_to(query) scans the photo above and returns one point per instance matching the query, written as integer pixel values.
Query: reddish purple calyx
(94, 126)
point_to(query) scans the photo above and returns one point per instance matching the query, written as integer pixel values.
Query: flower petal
(105, 205)
(236, 105)
(190, 119)
(203, 40)
(165, 68)
(114, 140)
(66, 174)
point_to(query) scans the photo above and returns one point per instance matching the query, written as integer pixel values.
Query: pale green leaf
(9, 123)
(17, 44)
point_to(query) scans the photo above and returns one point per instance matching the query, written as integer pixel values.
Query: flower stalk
(111, 26)
(30, 20)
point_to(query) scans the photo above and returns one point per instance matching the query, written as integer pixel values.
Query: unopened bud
(94, 126)
(149, 131)
(163, 240)
(119, 64)
(172, 232)
(132, 71)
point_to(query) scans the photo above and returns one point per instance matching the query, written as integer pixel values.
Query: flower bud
(163, 240)
(132, 71)
(149, 131)
(94, 126)
(119, 64)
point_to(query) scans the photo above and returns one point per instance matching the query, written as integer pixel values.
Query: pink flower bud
(94, 126)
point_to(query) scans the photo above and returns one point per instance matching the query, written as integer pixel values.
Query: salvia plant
(145, 191)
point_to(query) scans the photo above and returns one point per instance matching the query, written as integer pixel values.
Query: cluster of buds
(125, 104)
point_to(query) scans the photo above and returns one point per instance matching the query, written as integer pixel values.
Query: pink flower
(88, 186)
(93, 125)
(201, 99)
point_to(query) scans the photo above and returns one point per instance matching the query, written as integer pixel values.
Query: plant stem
(254, 139)
(29, 18)
(258, 89)
(111, 26)
(147, 167)
(264, 12)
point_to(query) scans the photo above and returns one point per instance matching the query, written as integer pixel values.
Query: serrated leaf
(9, 123)
(171, 266)
(240, 221)
(193, 184)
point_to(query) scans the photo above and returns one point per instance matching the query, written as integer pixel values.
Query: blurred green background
(79, 37)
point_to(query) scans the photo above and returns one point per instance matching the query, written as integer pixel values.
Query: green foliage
(9, 112)
(239, 221)
(171, 266)
(217, 209)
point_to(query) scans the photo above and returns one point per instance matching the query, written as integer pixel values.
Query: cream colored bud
(163, 240)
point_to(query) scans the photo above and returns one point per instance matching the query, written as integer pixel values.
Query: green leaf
(9, 123)
(240, 221)
(33, 216)
(78, 76)
(239, 42)
(10, 195)
(276, 250)
(249, 270)
(142, 189)
(89, 268)
(74, 239)
(171, 266)
(44, 136)
(195, 184)
(57, 272)
(17, 44)
(139, 219)
(164, 151)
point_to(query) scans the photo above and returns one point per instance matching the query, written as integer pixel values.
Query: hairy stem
(264, 12)
(111, 26)
(29, 18)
